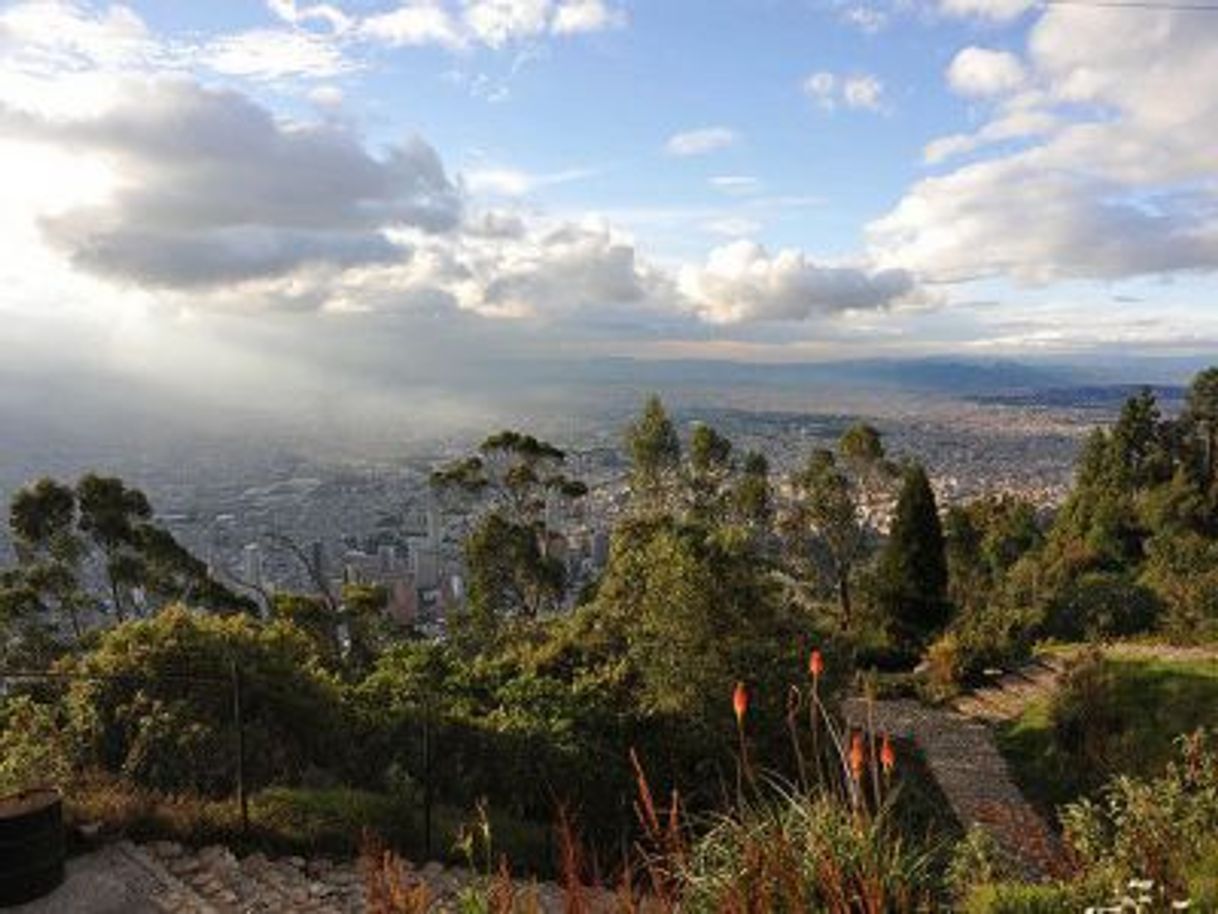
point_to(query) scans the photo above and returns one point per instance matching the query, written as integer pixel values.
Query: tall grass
(828, 841)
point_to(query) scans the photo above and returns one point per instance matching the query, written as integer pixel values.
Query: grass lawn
(1155, 702)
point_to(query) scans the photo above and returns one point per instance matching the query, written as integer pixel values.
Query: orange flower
(888, 757)
(857, 755)
(740, 702)
(816, 663)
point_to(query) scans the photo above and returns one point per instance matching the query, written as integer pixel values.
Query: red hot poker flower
(888, 756)
(816, 664)
(740, 702)
(858, 755)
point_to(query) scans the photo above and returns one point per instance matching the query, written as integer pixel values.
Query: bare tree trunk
(843, 598)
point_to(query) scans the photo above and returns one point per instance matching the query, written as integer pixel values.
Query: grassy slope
(1157, 702)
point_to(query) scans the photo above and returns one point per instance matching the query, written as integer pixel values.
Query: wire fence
(230, 691)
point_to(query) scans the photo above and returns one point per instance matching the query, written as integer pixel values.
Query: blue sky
(746, 179)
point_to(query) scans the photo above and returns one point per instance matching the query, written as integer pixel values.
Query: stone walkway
(166, 878)
(963, 759)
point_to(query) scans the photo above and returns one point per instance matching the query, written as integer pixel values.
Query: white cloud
(742, 282)
(513, 182)
(858, 90)
(576, 16)
(736, 185)
(62, 35)
(496, 22)
(289, 11)
(274, 54)
(867, 19)
(821, 87)
(864, 91)
(1115, 176)
(733, 226)
(327, 98)
(489, 23)
(210, 189)
(997, 10)
(984, 72)
(701, 141)
(1018, 124)
(417, 23)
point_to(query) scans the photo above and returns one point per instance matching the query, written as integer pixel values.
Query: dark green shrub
(156, 703)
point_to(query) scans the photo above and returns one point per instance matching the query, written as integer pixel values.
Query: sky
(288, 196)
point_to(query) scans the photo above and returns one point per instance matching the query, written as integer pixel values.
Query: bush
(157, 705)
(1101, 604)
(34, 748)
(1085, 717)
(1161, 829)
(806, 853)
(1017, 898)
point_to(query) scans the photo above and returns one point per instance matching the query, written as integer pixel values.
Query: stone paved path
(166, 878)
(962, 757)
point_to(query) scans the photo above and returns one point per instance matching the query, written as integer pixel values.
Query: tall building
(251, 565)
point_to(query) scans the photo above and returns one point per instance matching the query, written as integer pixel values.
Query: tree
(752, 504)
(827, 506)
(912, 586)
(861, 444)
(1202, 409)
(710, 468)
(512, 481)
(42, 519)
(109, 513)
(655, 454)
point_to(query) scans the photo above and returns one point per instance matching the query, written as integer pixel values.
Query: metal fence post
(239, 720)
(427, 781)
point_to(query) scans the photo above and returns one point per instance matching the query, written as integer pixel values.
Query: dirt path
(1013, 692)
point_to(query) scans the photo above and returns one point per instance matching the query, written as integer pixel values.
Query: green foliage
(1101, 604)
(1021, 898)
(655, 455)
(35, 749)
(806, 853)
(827, 509)
(61, 533)
(512, 479)
(1181, 570)
(1159, 829)
(912, 586)
(1120, 718)
(157, 703)
(695, 610)
(861, 444)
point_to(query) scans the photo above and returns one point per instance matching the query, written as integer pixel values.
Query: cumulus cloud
(984, 72)
(586, 16)
(324, 13)
(858, 91)
(1015, 125)
(742, 281)
(701, 141)
(490, 23)
(1114, 175)
(211, 188)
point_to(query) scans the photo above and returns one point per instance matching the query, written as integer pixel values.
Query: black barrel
(31, 845)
